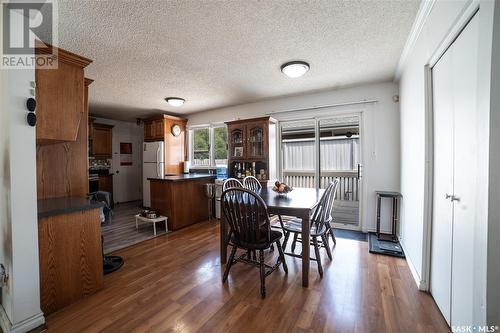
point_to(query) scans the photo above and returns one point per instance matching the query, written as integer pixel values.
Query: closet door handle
(452, 197)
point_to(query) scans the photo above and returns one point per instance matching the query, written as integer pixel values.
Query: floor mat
(384, 247)
(350, 234)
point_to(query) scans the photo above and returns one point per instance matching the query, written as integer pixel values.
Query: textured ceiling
(220, 53)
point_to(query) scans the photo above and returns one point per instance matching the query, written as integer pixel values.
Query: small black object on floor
(384, 247)
(350, 234)
(112, 263)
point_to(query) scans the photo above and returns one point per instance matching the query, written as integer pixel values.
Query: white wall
(416, 148)
(20, 309)
(380, 136)
(127, 180)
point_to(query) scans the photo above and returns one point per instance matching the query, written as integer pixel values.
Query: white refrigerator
(152, 167)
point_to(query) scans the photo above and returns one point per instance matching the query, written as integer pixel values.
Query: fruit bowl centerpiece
(282, 188)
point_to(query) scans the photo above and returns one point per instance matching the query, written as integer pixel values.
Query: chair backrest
(231, 182)
(323, 211)
(247, 216)
(251, 183)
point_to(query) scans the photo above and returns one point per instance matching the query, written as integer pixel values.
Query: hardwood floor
(121, 232)
(173, 283)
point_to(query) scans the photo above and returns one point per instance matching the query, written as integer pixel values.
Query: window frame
(211, 136)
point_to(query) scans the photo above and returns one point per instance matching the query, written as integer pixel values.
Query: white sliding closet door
(465, 172)
(440, 284)
(455, 164)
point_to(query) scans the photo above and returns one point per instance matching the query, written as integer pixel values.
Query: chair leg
(318, 257)
(229, 264)
(282, 256)
(285, 241)
(262, 274)
(327, 246)
(294, 241)
(333, 236)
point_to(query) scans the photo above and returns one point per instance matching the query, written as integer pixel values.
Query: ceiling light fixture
(295, 68)
(175, 101)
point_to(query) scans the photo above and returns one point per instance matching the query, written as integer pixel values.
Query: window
(220, 145)
(208, 146)
(201, 147)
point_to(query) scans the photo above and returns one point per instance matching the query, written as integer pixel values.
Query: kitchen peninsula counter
(181, 198)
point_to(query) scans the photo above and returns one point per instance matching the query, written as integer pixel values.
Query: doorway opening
(315, 151)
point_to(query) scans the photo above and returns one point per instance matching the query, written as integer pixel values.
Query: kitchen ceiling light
(295, 68)
(175, 101)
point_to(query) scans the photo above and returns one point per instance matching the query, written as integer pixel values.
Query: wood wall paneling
(70, 258)
(174, 146)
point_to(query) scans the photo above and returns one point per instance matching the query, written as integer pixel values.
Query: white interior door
(455, 144)
(464, 58)
(442, 221)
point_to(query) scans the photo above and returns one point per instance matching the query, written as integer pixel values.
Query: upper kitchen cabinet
(60, 97)
(102, 143)
(154, 130)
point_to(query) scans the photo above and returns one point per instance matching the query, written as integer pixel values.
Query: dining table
(298, 203)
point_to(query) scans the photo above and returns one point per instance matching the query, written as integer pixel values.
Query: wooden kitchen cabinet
(60, 98)
(102, 141)
(154, 130)
(106, 183)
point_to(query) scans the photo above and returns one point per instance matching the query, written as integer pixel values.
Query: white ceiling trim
(422, 15)
(324, 106)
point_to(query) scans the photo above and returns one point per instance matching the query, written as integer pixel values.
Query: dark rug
(350, 234)
(384, 247)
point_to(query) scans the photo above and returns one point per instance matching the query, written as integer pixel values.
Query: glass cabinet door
(237, 141)
(256, 141)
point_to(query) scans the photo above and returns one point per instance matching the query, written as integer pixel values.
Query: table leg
(136, 226)
(166, 226)
(223, 242)
(154, 228)
(305, 250)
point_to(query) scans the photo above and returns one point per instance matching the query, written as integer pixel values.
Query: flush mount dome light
(295, 68)
(175, 101)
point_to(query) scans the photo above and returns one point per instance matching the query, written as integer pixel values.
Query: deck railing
(347, 190)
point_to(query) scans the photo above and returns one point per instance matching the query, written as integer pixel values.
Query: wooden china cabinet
(252, 148)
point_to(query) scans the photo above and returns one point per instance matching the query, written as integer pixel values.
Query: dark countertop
(59, 206)
(185, 177)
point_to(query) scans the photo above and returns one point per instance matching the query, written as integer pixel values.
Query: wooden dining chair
(319, 226)
(251, 183)
(231, 182)
(247, 216)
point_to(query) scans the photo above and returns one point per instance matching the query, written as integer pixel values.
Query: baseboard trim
(421, 284)
(29, 324)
